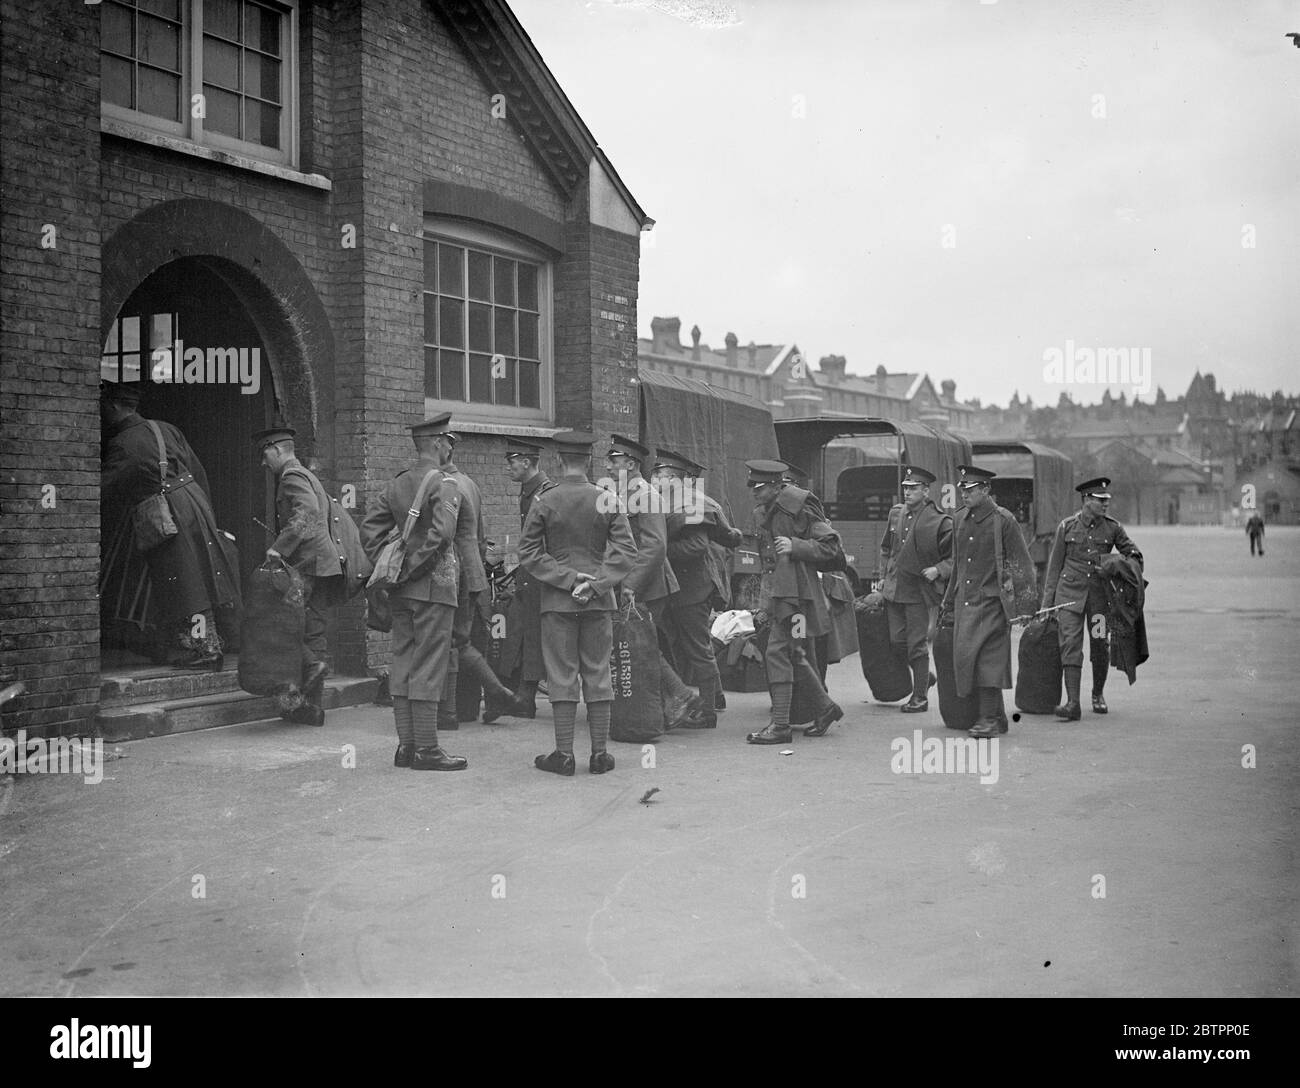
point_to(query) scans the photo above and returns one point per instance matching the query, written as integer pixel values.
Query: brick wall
(387, 101)
(49, 364)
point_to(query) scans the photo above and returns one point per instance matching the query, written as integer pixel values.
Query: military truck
(1036, 483)
(855, 466)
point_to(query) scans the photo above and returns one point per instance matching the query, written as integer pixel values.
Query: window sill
(518, 430)
(112, 127)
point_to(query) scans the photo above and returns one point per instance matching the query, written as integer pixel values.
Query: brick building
(390, 205)
(777, 376)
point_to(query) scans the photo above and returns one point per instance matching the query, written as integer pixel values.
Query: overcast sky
(958, 187)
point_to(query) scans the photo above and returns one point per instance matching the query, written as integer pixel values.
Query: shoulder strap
(162, 455)
(413, 514)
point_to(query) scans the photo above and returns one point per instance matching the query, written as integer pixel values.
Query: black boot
(435, 759)
(561, 763)
(1098, 684)
(1070, 710)
(921, 674)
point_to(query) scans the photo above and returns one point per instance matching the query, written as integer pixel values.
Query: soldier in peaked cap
(304, 543)
(651, 582)
(424, 603)
(473, 600)
(916, 557)
(1073, 580)
(521, 651)
(992, 583)
(697, 533)
(794, 538)
(580, 547)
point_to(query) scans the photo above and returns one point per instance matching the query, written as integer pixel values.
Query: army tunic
(1074, 579)
(305, 543)
(651, 579)
(981, 595)
(913, 542)
(424, 604)
(702, 584)
(790, 586)
(572, 529)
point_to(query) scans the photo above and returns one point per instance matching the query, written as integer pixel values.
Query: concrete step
(160, 685)
(140, 720)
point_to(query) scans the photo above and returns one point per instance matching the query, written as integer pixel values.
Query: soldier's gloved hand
(871, 602)
(930, 574)
(626, 597)
(782, 546)
(761, 619)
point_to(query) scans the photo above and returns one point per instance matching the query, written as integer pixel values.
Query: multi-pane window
(483, 325)
(241, 70)
(141, 56)
(216, 71)
(132, 339)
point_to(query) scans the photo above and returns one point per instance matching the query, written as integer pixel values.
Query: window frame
(194, 128)
(499, 243)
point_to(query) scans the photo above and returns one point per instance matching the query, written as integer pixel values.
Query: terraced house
(379, 208)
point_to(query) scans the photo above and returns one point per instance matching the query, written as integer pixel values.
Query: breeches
(422, 633)
(575, 649)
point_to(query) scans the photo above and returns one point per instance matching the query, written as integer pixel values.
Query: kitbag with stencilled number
(637, 715)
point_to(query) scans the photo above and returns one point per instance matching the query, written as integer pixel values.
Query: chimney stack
(882, 379)
(695, 343)
(752, 349)
(666, 332)
(831, 368)
(732, 358)
(949, 390)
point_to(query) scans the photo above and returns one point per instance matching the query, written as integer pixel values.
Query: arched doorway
(217, 280)
(202, 365)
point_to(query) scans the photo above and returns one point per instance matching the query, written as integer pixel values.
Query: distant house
(778, 376)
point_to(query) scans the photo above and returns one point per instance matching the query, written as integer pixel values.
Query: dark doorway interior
(189, 301)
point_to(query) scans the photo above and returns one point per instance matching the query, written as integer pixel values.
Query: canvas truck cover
(719, 428)
(922, 445)
(1054, 497)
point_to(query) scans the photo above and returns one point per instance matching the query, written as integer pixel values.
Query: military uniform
(1074, 581)
(791, 594)
(304, 542)
(575, 537)
(423, 604)
(192, 573)
(915, 541)
(696, 535)
(651, 582)
(992, 582)
(472, 603)
(521, 651)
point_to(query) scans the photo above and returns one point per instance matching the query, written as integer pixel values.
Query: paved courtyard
(1126, 855)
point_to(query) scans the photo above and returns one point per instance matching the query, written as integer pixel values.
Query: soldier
(992, 583)
(916, 556)
(794, 537)
(191, 573)
(1255, 530)
(1074, 581)
(424, 603)
(304, 543)
(580, 547)
(651, 581)
(697, 531)
(473, 600)
(522, 650)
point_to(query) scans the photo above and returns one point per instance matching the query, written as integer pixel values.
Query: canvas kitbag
(152, 519)
(387, 573)
(637, 715)
(343, 531)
